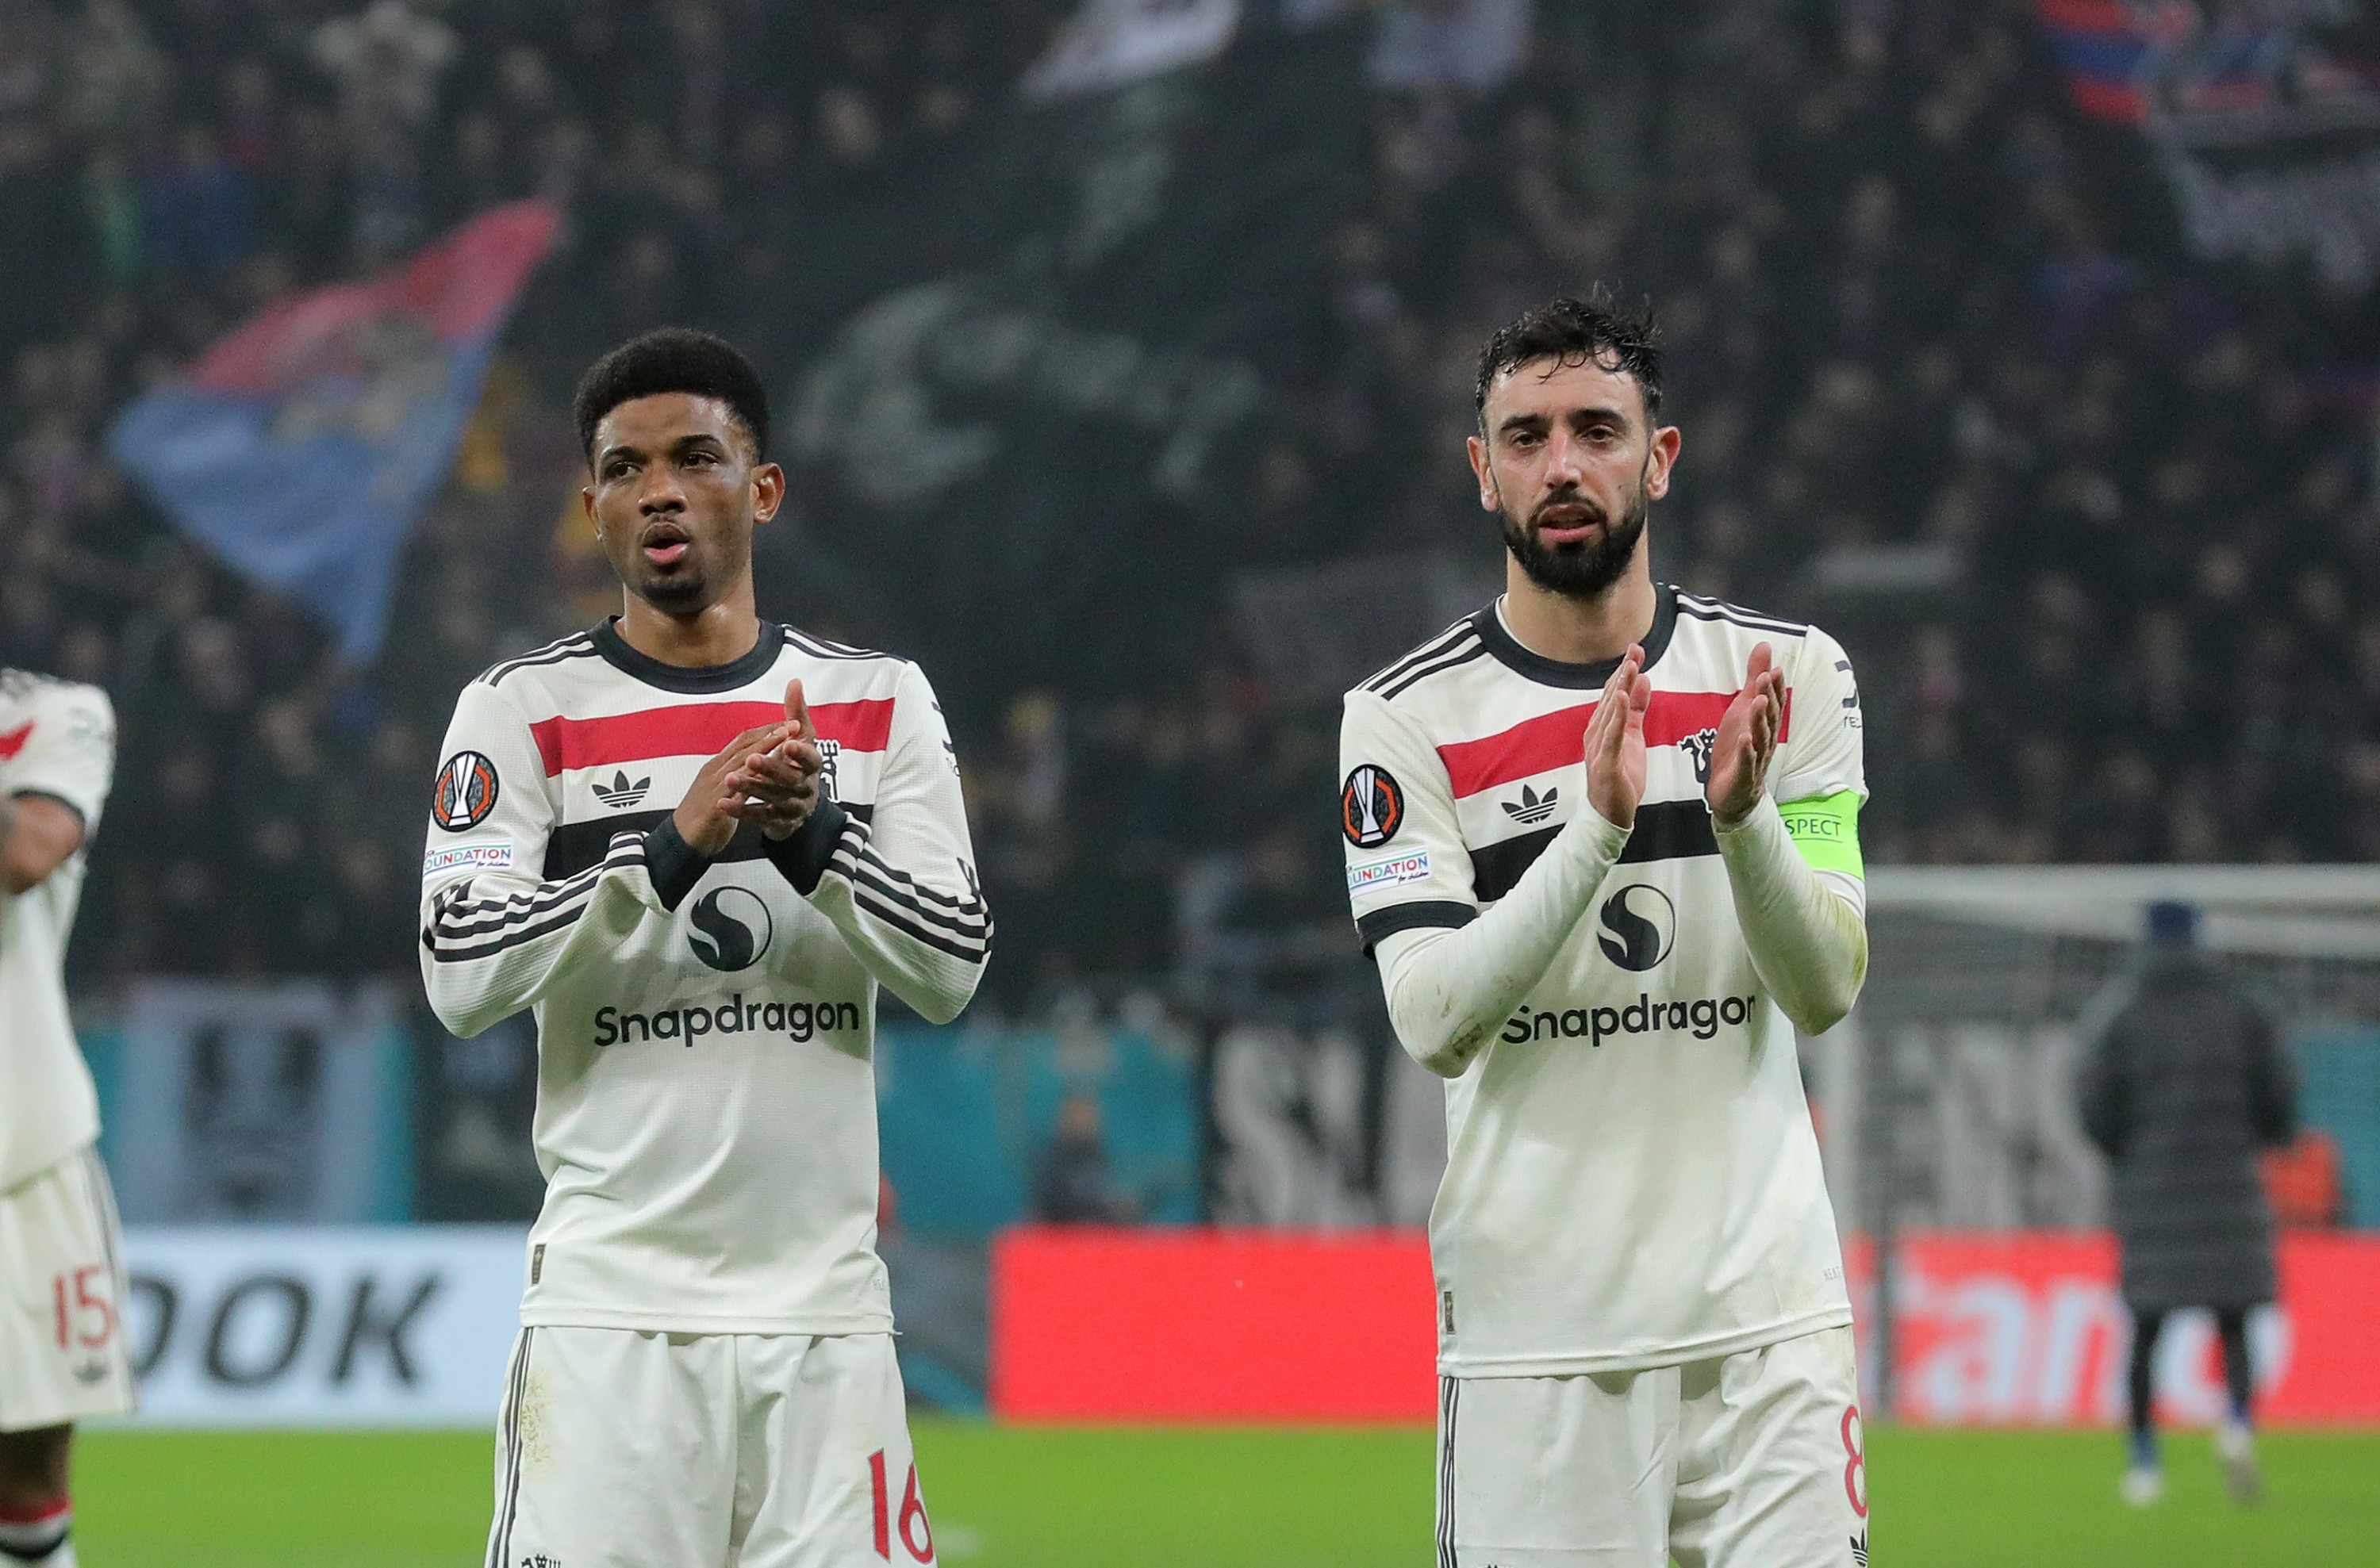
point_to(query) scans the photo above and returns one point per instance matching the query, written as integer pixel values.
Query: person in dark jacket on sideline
(2180, 1090)
(1073, 1185)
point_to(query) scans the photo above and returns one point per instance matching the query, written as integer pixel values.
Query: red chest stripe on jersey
(13, 741)
(698, 730)
(1559, 739)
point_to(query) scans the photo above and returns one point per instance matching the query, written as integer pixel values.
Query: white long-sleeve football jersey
(706, 1108)
(57, 739)
(1632, 1178)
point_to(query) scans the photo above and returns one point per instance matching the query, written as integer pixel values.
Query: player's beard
(695, 583)
(1583, 570)
(682, 592)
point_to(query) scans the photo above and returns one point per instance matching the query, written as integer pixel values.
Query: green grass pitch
(1054, 1498)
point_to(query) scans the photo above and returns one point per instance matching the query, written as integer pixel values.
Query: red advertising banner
(2000, 1329)
(2026, 1329)
(1212, 1325)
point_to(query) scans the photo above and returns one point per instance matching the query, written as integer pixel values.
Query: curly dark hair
(1571, 330)
(673, 359)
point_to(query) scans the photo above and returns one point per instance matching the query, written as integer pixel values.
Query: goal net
(1946, 1101)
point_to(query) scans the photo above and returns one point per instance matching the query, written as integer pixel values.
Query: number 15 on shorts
(916, 1534)
(86, 1319)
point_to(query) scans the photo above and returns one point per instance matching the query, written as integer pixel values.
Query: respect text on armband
(798, 1021)
(1701, 1018)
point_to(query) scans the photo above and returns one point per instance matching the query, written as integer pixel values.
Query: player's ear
(768, 491)
(587, 505)
(1659, 459)
(1490, 498)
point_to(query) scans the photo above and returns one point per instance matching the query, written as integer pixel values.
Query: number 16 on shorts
(916, 1536)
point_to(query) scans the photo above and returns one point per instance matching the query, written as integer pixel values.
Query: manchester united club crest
(1698, 747)
(828, 752)
(466, 792)
(1371, 807)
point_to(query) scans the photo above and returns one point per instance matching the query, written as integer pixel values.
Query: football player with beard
(1602, 840)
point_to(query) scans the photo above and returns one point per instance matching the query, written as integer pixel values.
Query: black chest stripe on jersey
(1671, 830)
(1666, 830)
(572, 846)
(1497, 868)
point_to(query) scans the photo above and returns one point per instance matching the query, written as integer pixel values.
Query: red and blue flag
(302, 447)
(2103, 46)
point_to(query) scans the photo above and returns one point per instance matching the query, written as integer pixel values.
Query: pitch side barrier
(2012, 1329)
(318, 1325)
(351, 1326)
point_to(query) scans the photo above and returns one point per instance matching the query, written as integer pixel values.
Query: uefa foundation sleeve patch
(493, 854)
(466, 792)
(1371, 807)
(1412, 867)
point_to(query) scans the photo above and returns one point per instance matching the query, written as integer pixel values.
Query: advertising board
(1992, 1329)
(321, 1325)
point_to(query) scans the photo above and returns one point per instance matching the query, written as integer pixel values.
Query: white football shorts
(62, 1356)
(624, 1448)
(1756, 1460)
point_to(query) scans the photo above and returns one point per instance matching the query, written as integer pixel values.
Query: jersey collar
(692, 681)
(1545, 671)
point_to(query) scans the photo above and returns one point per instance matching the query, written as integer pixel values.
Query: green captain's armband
(1826, 829)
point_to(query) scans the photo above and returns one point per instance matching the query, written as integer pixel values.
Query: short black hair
(1571, 330)
(673, 359)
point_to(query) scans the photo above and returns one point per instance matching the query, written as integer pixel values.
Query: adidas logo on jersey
(620, 793)
(1532, 807)
(1859, 1549)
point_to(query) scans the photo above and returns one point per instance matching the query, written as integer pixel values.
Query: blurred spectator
(1071, 1183)
(2180, 1091)
(112, 78)
(1471, 45)
(1911, 299)
(197, 209)
(387, 61)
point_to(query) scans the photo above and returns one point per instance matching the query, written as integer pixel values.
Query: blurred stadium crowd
(2096, 518)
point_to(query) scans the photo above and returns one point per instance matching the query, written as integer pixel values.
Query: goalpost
(1945, 1101)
